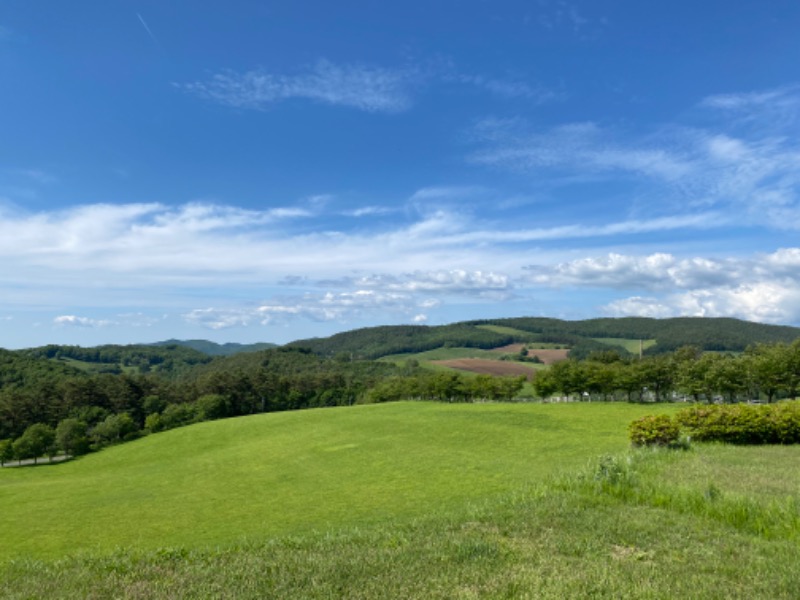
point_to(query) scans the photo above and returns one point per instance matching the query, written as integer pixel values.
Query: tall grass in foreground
(647, 524)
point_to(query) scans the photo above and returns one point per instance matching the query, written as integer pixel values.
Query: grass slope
(632, 346)
(623, 527)
(291, 473)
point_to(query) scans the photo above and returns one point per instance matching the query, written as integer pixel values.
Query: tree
(727, 377)
(6, 451)
(38, 440)
(177, 415)
(769, 368)
(691, 369)
(212, 406)
(545, 384)
(71, 437)
(657, 375)
(628, 378)
(115, 429)
(153, 404)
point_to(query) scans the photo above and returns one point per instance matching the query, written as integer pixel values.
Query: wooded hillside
(719, 334)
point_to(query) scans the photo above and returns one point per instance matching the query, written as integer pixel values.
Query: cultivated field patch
(488, 367)
(547, 355)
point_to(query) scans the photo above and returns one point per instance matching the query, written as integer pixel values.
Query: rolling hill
(661, 335)
(405, 500)
(292, 472)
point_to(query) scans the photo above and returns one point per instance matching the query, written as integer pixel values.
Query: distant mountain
(214, 349)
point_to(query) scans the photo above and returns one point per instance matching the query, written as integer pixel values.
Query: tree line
(762, 372)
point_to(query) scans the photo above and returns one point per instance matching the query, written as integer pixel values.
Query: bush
(655, 430)
(744, 424)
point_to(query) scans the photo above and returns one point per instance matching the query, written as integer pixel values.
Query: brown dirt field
(487, 367)
(547, 355)
(510, 349)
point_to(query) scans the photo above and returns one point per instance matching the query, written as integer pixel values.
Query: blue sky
(268, 171)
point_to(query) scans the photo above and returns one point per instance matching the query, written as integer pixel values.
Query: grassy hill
(407, 500)
(288, 473)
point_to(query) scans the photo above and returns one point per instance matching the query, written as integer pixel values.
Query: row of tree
(763, 372)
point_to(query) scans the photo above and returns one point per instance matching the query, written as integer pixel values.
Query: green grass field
(502, 329)
(630, 345)
(91, 367)
(406, 500)
(287, 473)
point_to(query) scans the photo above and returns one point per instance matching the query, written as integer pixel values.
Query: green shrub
(654, 430)
(743, 423)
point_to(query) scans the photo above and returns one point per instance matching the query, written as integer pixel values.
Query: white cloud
(151, 255)
(368, 211)
(340, 306)
(759, 288)
(769, 302)
(455, 281)
(152, 246)
(215, 318)
(654, 272)
(372, 89)
(75, 321)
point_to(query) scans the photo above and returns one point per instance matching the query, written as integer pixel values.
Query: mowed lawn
(243, 479)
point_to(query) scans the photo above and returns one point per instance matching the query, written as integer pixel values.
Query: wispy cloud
(369, 88)
(30, 174)
(372, 89)
(147, 29)
(153, 241)
(76, 321)
(330, 306)
(575, 146)
(560, 14)
(778, 98)
(134, 319)
(508, 87)
(742, 162)
(368, 211)
(452, 282)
